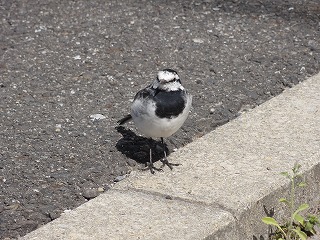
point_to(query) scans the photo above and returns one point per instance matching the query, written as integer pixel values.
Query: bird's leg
(165, 160)
(150, 165)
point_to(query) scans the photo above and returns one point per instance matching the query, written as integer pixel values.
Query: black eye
(174, 80)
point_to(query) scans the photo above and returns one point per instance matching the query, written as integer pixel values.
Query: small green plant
(297, 227)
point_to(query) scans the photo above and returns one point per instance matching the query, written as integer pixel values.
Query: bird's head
(168, 80)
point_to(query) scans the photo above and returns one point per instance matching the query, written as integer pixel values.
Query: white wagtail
(160, 109)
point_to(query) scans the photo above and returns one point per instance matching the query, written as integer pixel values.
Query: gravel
(70, 69)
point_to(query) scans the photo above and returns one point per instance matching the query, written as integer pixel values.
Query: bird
(159, 110)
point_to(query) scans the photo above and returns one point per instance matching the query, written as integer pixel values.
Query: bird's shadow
(138, 148)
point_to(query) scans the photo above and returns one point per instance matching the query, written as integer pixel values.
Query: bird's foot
(166, 162)
(151, 167)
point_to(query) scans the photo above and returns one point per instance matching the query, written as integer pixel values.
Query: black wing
(147, 92)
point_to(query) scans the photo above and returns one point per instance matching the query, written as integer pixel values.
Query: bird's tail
(125, 119)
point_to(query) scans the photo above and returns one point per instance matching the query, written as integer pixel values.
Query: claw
(151, 167)
(166, 162)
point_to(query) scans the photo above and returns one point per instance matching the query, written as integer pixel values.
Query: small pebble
(169, 197)
(90, 193)
(120, 178)
(97, 116)
(198, 40)
(58, 127)
(131, 162)
(54, 215)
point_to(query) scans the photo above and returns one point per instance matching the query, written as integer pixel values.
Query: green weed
(297, 226)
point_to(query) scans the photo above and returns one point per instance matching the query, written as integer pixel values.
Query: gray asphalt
(228, 181)
(62, 62)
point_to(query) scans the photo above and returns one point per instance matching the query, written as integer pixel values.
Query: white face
(167, 80)
(166, 76)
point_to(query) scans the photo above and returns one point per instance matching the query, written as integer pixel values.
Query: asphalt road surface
(69, 71)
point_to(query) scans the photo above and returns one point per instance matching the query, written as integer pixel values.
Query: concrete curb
(229, 179)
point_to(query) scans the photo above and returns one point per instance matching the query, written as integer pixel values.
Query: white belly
(151, 125)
